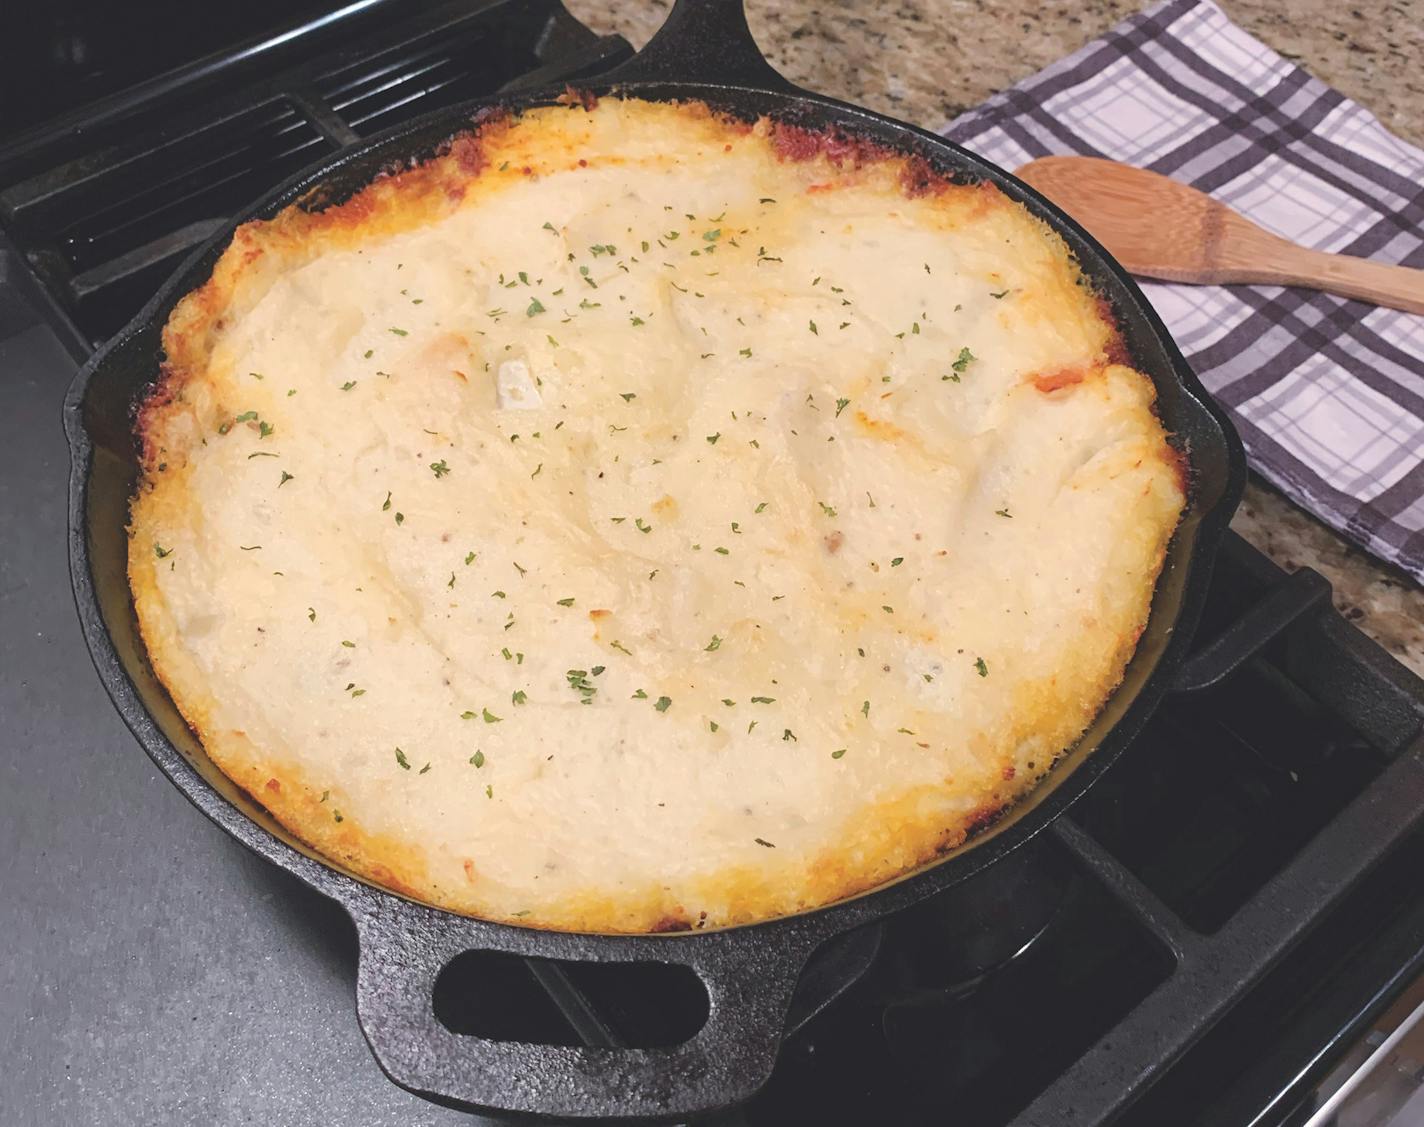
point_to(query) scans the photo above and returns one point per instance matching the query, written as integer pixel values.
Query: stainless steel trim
(1324, 1113)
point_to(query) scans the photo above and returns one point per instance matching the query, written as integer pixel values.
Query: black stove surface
(68, 53)
(1195, 943)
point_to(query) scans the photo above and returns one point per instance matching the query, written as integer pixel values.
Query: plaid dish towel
(1328, 394)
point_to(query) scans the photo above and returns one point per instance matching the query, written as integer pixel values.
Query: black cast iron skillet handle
(404, 946)
(706, 41)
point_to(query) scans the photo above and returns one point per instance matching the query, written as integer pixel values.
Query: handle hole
(503, 997)
(494, 995)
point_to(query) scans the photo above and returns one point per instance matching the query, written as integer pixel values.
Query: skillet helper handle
(703, 41)
(749, 983)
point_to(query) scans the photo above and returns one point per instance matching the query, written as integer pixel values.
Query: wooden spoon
(1159, 228)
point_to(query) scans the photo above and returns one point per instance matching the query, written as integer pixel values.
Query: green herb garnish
(579, 682)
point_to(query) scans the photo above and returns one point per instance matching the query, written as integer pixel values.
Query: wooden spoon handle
(1397, 287)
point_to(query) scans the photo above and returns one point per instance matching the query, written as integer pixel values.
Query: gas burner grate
(1324, 985)
(1220, 797)
(980, 998)
(105, 239)
(439, 69)
(103, 212)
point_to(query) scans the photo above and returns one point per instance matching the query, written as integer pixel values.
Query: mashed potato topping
(633, 519)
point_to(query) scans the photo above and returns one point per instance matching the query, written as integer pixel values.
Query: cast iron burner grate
(104, 202)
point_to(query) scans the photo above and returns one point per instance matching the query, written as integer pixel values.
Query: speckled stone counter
(926, 62)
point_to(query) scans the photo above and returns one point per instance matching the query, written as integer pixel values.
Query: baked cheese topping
(633, 520)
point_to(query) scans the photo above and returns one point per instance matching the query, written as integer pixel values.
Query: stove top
(1203, 939)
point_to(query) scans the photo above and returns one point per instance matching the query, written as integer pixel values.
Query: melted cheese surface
(625, 526)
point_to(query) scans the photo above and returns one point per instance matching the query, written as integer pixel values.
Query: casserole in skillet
(634, 519)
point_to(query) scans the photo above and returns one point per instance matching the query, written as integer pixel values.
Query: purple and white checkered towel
(1328, 393)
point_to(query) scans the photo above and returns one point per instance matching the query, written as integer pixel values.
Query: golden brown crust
(892, 835)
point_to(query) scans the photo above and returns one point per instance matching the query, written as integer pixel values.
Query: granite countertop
(926, 61)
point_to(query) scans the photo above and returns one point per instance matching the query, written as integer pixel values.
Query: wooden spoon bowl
(1158, 228)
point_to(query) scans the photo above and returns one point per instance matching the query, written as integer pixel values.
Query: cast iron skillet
(703, 51)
